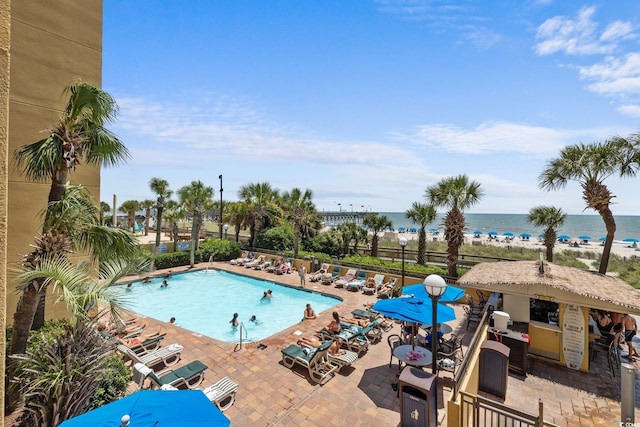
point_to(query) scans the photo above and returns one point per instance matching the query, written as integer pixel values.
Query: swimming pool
(204, 302)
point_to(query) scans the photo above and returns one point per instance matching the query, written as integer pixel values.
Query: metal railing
(480, 412)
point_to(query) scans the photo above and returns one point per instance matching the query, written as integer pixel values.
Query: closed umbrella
(173, 408)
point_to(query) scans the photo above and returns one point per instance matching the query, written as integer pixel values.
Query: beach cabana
(551, 303)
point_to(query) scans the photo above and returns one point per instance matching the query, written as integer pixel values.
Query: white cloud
(630, 110)
(614, 76)
(577, 36)
(618, 30)
(495, 137)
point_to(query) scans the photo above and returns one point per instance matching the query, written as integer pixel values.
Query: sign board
(573, 336)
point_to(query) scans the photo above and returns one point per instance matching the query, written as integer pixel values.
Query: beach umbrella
(525, 235)
(478, 232)
(508, 234)
(413, 230)
(492, 233)
(170, 408)
(415, 310)
(451, 294)
(602, 239)
(584, 237)
(630, 240)
(564, 237)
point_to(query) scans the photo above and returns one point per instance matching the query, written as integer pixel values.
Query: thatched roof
(564, 284)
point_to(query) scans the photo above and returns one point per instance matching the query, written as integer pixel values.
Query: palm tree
(376, 223)
(551, 218)
(196, 198)
(104, 208)
(147, 205)
(351, 233)
(262, 206)
(79, 135)
(590, 165)
(238, 216)
(130, 207)
(456, 194)
(160, 188)
(423, 214)
(173, 215)
(301, 211)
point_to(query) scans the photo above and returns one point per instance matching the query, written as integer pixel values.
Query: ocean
(627, 226)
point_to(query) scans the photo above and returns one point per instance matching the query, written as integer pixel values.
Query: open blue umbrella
(525, 235)
(564, 237)
(492, 233)
(175, 408)
(477, 232)
(508, 234)
(415, 310)
(584, 237)
(630, 240)
(602, 239)
(451, 294)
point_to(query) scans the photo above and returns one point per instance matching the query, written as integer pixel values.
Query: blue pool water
(204, 302)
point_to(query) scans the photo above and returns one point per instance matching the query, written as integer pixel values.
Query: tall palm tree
(456, 194)
(79, 135)
(422, 214)
(173, 215)
(590, 165)
(130, 207)
(551, 218)
(262, 204)
(351, 233)
(104, 208)
(147, 205)
(376, 223)
(196, 198)
(160, 188)
(301, 211)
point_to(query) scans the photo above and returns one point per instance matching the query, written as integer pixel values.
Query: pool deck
(272, 395)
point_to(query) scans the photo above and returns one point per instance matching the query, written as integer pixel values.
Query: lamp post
(403, 242)
(340, 207)
(435, 287)
(220, 217)
(226, 228)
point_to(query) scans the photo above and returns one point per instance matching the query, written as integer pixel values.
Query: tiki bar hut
(552, 304)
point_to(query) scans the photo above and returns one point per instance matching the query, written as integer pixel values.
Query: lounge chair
(241, 259)
(169, 355)
(320, 274)
(317, 363)
(189, 375)
(351, 337)
(346, 358)
(254, 262)
(357, 283)
(222, 392)
(342, 281)
(386, 291)
(378, 280)
(334, 276)
(264, 265)
(149, 344)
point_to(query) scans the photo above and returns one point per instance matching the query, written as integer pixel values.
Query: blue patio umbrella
(525, 235)
(401, 229)
(451, 294)
(175, 408)
(478, 232)
(492, 233)
(507, 233)
(413, 230)
(630, 240)
(415, 310)
(602, 239)
(584, 237)
(564, 237)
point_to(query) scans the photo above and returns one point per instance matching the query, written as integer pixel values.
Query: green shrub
(113, 383)
(174, 259)
(385, 265)
(329, 243)
(220, 250)
(276, 238)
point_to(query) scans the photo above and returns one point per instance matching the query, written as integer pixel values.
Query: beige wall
(52, 43)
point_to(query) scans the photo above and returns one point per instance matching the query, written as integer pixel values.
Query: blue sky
(368, 102)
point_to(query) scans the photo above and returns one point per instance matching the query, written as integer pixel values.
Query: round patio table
(418, 356)
(444, 328)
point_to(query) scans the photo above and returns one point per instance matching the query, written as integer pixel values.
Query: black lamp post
(220, 217)
(435, 287)
(403, 242)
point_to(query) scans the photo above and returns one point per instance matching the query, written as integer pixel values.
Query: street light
(226, 228)
(403, 242)
(435, 287)
(340, 206)
(220, 217)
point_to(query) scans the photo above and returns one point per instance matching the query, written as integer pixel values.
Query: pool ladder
(239, 343)
(209, 265)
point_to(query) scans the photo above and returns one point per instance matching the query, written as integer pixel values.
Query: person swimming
(164, 284)
(234, 321)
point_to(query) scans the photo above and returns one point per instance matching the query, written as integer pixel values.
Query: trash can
(417, 398)
(315, 264)
(501, 320)
(494, 368)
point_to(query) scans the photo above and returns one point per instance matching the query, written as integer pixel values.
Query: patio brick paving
(273, 395)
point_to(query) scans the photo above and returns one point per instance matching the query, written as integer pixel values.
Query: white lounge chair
(169, 355)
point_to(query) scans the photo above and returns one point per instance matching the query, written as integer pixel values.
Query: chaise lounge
(189, 375)
(317, 362)
(169, 355)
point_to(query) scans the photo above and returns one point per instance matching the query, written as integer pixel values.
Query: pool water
(204, 302)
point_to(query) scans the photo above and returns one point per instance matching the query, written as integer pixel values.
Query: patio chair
(222, 393)
(353, 337)
(149, 344)
(255, 262)
(345, 358)
(264, 265)
(378, 280)
(386, 290)
(316, 362)
(320, 274)
(394, 341)
(342, 281)
(189, 375)
(169, 355)
(471, 316)
(609, 348)
(358, 282)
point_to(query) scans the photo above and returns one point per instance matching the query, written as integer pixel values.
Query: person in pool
(164, 284)
(234, 321)
(254, 320)
(309, 313)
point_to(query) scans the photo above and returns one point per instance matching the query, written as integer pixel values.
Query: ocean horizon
(627, 226)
